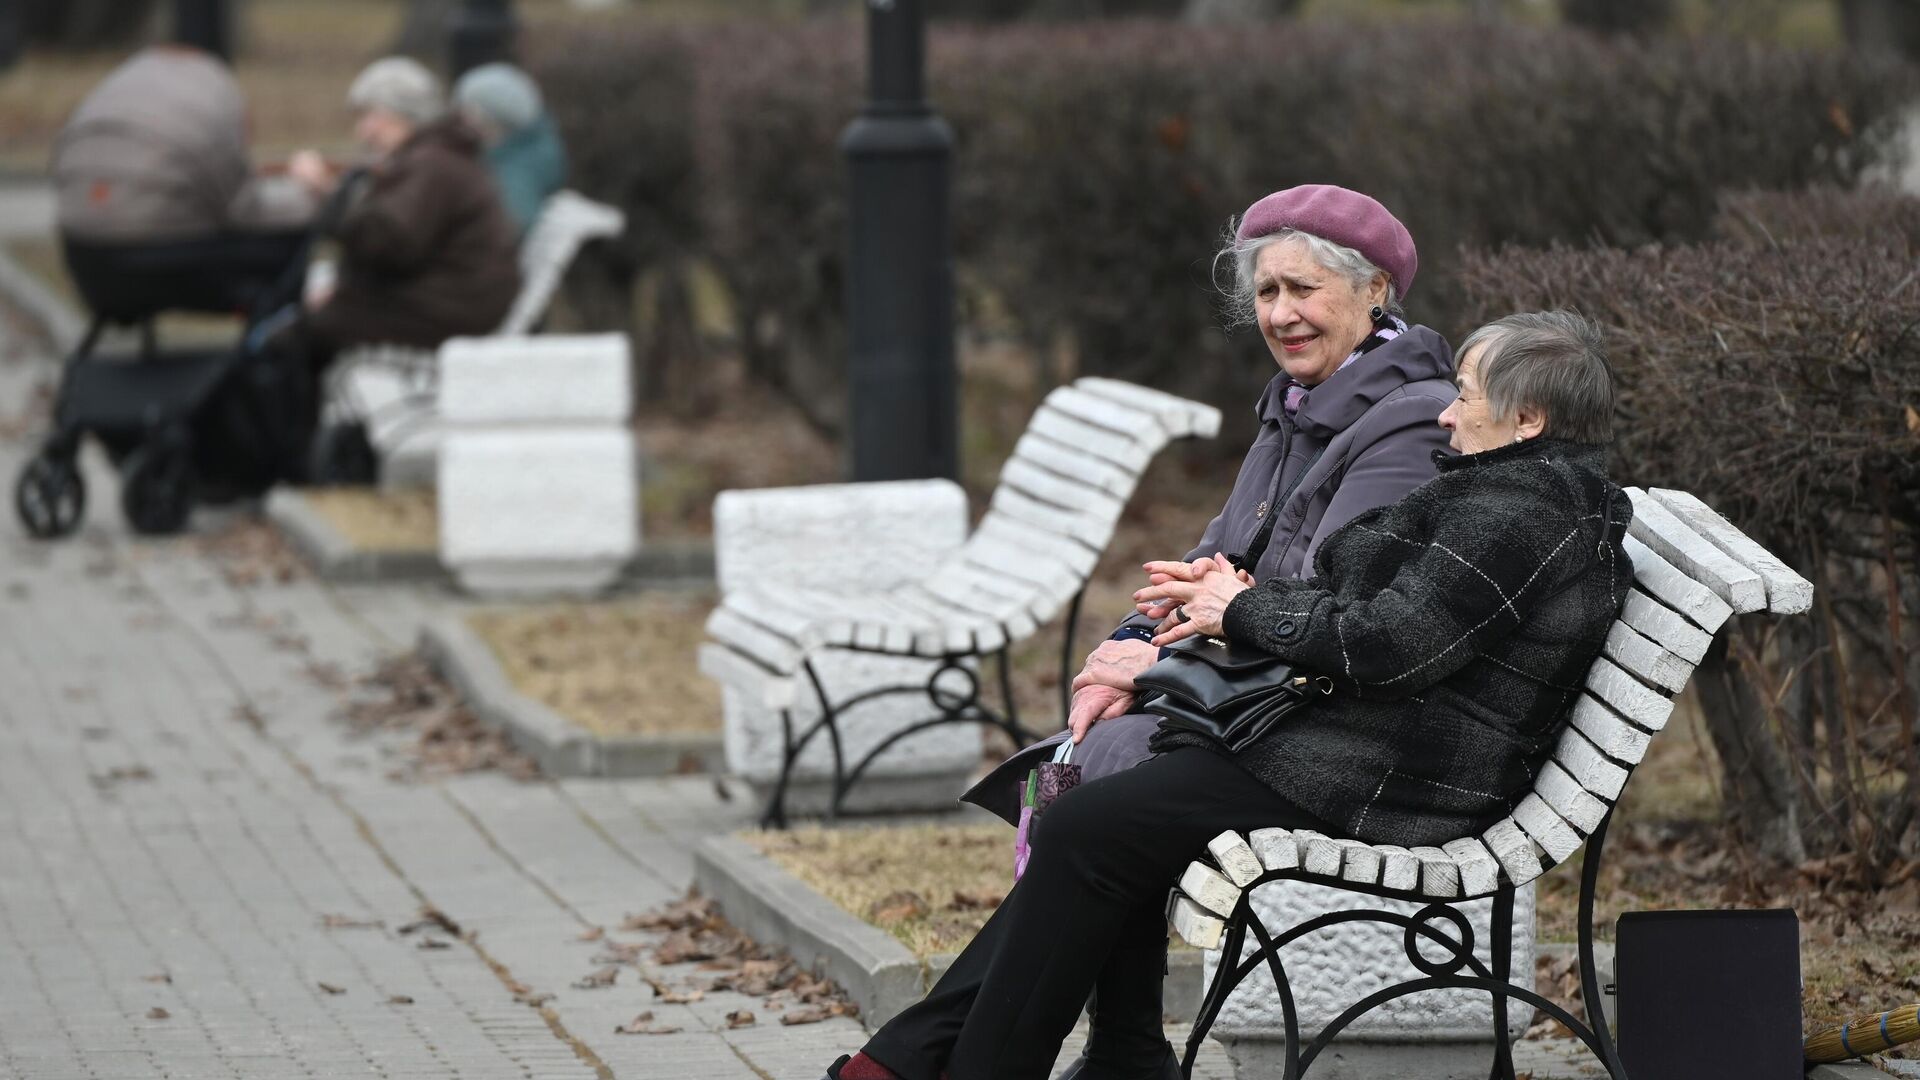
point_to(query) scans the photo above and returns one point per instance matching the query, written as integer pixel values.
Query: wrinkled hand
(1160, 573)
(1104, 687)
(1201, 594)
(312, 170)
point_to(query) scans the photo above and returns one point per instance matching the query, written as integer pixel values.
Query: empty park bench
(390, 388)
(919, 634)
(1692, 570)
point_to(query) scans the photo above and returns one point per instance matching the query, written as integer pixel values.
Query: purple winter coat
(1362, 439)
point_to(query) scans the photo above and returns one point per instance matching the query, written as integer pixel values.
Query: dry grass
(626, 667)
(931, 886)
(375, 520)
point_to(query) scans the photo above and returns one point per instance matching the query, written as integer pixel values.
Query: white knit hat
(398, 84)
(502, 93)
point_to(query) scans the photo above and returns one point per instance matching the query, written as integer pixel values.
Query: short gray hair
(400, 85)
(1554, 361)
(1242, 256)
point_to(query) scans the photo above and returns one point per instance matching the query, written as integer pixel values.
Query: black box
(1705, 995)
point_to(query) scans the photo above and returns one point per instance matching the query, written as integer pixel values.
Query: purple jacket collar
(1348, 393)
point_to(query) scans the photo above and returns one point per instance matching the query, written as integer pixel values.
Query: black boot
(1168, 1068)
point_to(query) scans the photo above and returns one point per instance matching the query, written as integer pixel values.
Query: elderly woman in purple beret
(1347, 424)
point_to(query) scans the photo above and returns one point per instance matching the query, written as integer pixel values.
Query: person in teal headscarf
(524, 151)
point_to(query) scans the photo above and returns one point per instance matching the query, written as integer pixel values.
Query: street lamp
(204, 24)
(482, 32)
(901, 382)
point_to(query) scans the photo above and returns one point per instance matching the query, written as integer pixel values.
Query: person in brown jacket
(427, 249)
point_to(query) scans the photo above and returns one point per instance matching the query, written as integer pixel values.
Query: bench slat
(1675, 589)
(1078, 527)
(1665, 626)
(1439, 873)
(1039, 541)
(1645, 659)
(1068, 461)
(1398, 868)
(1479, 871)
(1359, 862)
(1178, 415)
(1628, 696)
(1514, 849)
(1557, 838)
(1210, 889)
(1194, 925)
(1139, 425)
(1673, 540)
(745, 636)
(1568, 799)
(1588, 766)
(1089, 504)
(947, 631)
(1275, 848)
(1099, 441)
(1236, 859)
(966, 595)
(1610, 732)
(1318, 853)
(1787, 592)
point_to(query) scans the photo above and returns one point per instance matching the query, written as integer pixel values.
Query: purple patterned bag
(1044, 784)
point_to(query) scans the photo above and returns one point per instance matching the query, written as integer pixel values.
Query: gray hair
(400, 85)
(1554, 361)
(1242, 256)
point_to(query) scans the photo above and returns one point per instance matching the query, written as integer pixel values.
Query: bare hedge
(1775, 372)
(1097, 162)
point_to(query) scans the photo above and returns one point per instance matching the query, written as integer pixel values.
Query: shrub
(1775, 372)
(1096, 163)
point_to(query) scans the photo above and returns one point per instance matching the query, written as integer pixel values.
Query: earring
(1377, 313)
(1518, 439)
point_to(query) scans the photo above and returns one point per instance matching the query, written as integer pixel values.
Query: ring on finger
(1180, 614)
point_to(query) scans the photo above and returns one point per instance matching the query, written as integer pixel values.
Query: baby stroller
(182, 426)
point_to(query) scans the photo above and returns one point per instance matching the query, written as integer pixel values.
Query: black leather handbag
(1229, 694)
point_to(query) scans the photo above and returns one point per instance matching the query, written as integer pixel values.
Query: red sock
(863, 1067)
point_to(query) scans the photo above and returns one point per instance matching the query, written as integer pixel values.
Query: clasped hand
(1190, 598)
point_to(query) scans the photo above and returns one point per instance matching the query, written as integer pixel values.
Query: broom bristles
(1868, 1034)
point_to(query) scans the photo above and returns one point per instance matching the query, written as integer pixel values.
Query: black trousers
(1090, 911)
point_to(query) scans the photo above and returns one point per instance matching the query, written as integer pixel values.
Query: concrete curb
(773, 907)
(881, 975)
(63, 325)
(1845, 1070)
(561, 747)
(334, 557)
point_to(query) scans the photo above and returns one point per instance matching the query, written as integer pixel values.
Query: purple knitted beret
(1345, 217)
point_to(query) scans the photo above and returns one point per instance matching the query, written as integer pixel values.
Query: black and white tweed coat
(1458, 624)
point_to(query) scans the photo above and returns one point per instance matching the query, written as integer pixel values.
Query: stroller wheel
(50, 497)
(156, 488)
(342, 454)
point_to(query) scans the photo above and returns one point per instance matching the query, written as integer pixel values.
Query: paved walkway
(204, 873)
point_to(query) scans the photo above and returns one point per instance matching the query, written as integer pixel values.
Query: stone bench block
(872, 539)
(538, 510)
(570, 379)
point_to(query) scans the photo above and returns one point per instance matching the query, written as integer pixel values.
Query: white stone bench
(390, 388)
(1692, 571)
(781, 643)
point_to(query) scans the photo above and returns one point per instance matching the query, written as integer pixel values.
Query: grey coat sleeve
(1395, 456)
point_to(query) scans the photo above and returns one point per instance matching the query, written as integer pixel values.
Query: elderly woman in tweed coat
(1455, 625)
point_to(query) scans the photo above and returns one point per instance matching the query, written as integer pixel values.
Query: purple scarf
(1389, 328)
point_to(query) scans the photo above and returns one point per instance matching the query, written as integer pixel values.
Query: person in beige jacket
(159, 205)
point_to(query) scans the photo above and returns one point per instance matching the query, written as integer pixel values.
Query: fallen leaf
(332, 989)
(740, 1018)
(1913, 421)
(434, 943)
(162, 977)
(897, 906)
(348, 922)
(592, 933)
(975, 900)
(528, 997)
(598, 980)
(399, 999)
(157, 1013)
(681, 997)
(432, 918)
(643, 1025)
(812, 1014)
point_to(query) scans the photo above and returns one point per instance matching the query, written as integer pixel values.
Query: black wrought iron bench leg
(1067, 636)
(1502, 946)
(1590, 989)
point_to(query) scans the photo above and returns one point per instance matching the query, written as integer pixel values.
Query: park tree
(423, 30)
(1882, 25)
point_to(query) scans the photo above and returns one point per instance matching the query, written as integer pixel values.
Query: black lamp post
(482, 32)
(903, 421)
(204, 24)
